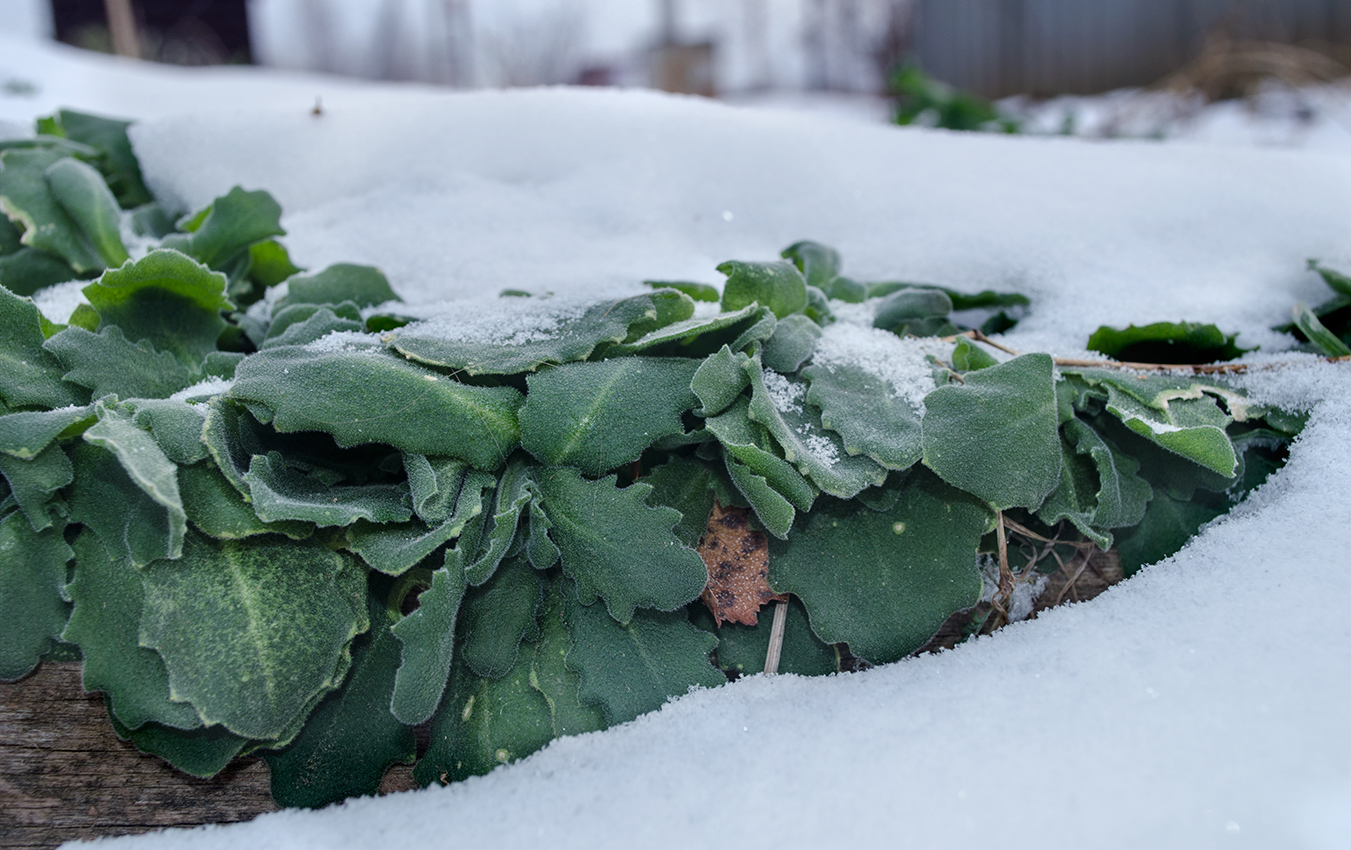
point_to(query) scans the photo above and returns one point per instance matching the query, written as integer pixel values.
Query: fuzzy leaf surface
(598, 416)
(866, 412)
(394, 549)
(368, 396)
(167, 298)
(572, 337)
(351, 738)
(742, 649)
(199, 752)
(996, 435)
(778, 286)
(428, 638)
(252, 633)
(27, 198)
(549, 673)
(497, 616)
(81, 192)
(32, 584)
(145, 464)
(26, 434)
(779, 404)
(281, 493)
(109, 364)
(232, 223)
(218, 510)
(32, 482)
(485, 723)
(631, 669)
(365, 286)
(106, 624)
(128, 520)
(894, 576)
(616, 547)
(30, 376)
(719, 380)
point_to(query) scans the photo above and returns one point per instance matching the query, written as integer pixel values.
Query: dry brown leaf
(737, 558)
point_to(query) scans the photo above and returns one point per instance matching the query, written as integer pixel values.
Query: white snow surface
(1202, 703)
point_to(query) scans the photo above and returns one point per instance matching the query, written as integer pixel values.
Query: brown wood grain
(65, 775)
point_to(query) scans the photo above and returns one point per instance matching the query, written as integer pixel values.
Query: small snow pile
(503, 321)
(901, 362)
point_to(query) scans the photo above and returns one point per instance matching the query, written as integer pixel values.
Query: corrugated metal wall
(1004, 47)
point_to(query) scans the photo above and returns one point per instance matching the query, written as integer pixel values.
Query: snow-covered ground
(1199, 704)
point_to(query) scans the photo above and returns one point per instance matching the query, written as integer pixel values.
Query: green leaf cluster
(293, 523)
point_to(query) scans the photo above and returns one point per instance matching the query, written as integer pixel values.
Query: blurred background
(1001, 65)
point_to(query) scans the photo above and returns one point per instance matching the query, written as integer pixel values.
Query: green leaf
(27, 198)
(749, 443)
(866, 411)
(29, 375)
(428, 638)
(685, 333)
(27, 434)
(81, 192)
(1324, 341)
(128, 520)
(282, 493)
(395, 549)
(792, 344)
(719, 380)
(271, 264)
(498, 616)
(847, 290)
(1122, 494)
(351, 739)
(616, 547)
(779, 404)
(320, 323)
(145, 464)
(524, 335)
(1166, 527)
(1339, 282)
(771, 508)
(27, 270)
(818, 263)
(32, 585)
(32, 482)
(108, 364)
(434, 484)
(1166, 342)
(598, 416)
(365, 286)
(233, 222)
(904, 311)
(697, 291)
(513, 493)
(1191, 427)
(106, 623)
(549, 673)
(367, 396)
(996, 435)
(166, 298)
(485, 723)
(199, 752)
(109, 136)
(688, 486)
(742, 649)
(631, 669)
(778, 286)
(218, 510)
(175, 425)
(252, 633)
(894, 577)
(969, 357)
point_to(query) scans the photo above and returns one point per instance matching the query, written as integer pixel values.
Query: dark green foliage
(279, 531)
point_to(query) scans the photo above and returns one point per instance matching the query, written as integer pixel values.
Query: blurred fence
(1045, 47)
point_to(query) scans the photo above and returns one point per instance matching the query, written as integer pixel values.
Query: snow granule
(504, 321)
(822, 448)
(902, 363)
(204, 389)
(786, 395)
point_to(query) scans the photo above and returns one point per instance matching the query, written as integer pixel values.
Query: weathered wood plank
(65, 775)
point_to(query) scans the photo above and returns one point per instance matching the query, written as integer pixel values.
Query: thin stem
(776, 638)
(1005, 574)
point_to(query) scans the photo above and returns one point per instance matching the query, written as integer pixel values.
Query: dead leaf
(737, 558)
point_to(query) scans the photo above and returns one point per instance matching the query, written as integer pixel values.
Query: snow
(1200, 704)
